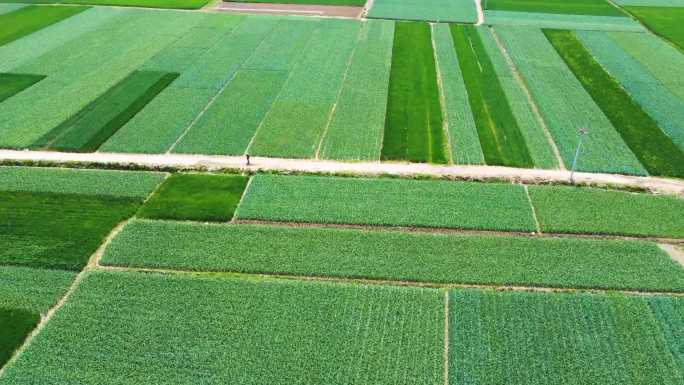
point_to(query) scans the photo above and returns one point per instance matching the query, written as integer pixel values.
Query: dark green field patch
(572, 7)
(500, 137)
(177, 329)
(196, 197)
(15, 325)
(12, 84)
(664, 21)
(26, 20)
(100, 119)
(413, 127)
(526, 338)
(55, 230)
(654, 149)
(397, 256)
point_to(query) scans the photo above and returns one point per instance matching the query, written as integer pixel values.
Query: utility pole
(581, 132)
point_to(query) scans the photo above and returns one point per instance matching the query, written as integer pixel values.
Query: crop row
(167, 326)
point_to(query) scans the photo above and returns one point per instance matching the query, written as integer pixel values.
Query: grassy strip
(586, 210)
(294, 125)
(128, 184)
(57, 231)
(652, 95)
(172, 4)
(231, 121)
(572, 7)
(566, 106)
(390, 202)
(163, 328)
(102, 118)
(353, 3)
(12, 84)
(500, 137)
(656, 151)
(33, 290)
(355, 130)
(465, 145)
(396, 256)
(15, 325)
(27, 20)
(523, 338)
(455, 11)
(157, 127)
(413, 127)
(196, 197)
(664, 21)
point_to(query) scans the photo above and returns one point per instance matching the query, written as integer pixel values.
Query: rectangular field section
(445, 11)
(29, 19)
(396, 256)
(664, 21)
(525, 338)
(164, 328)
(573, 7)
(12, 84)
(413, 127)
(597, 211)
(390, 202)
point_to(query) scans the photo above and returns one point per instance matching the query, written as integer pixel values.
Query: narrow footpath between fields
(215, 163)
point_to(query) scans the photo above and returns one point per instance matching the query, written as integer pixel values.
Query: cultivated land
(277, 276)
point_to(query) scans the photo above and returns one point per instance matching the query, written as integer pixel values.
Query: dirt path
(204, 162)
(291, 9)
(480, 12)
(674, 252)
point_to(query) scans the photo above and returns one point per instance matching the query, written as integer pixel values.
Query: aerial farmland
(324, 192)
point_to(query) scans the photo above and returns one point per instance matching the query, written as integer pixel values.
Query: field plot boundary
(404, 169)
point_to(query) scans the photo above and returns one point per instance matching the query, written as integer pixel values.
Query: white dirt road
(204, 162)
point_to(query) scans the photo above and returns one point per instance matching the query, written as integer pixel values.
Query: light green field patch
(283, 47)
(523, 338)
(566, 106)
(5, 8)
(355, 131)
(168, 327)
(131, 184)
(465, 144)
(392, 202)
(455, 11)
(299, 115)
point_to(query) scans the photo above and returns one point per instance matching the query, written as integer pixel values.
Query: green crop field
(385, 202)
(196, 197)
(576, 7)
(183, 329)
(523, 338)
(454, 11)
(597, 211)
(413, 129)
(33, 290)
(26, 20)
(654, 149)
(397, 256)
(664, 21)
(500, 137)
(15, 325)
(12, 84)
(353, 3)
(563, 21)
(177, 4)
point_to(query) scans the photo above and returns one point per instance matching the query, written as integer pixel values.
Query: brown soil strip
(367, 281)
(445, 230)
(291, 9)
(674, 252)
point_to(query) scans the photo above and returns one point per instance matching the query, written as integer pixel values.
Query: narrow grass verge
(396, 256)
(654, 149)
(99, 120)
(413, 126)
(196, 197)
(500, 137)
(29, 19)
(12, 84)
